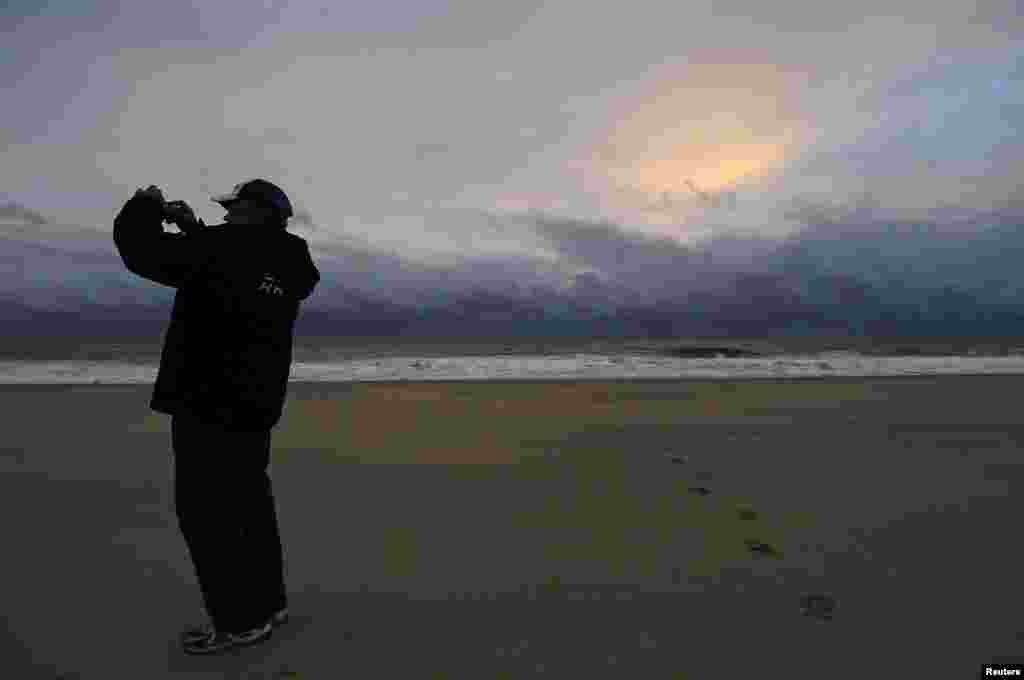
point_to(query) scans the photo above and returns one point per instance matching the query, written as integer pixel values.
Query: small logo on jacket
(270, 285)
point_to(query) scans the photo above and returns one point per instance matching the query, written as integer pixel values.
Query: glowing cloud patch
(700, 128)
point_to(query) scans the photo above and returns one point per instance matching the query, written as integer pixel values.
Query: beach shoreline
(545, 368)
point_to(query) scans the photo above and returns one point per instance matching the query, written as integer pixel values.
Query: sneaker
(217, 641)
(196, 633)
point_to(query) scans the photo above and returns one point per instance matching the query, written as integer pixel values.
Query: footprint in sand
(818, 606)
(702, 476)
(760, 548)
(746, 513)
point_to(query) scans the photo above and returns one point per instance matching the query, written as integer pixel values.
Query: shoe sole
(234, 644)
(189, 638)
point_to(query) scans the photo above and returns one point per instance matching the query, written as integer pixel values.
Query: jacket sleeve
(309, 274)
(150, 252)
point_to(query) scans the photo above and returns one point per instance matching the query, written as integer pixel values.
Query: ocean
(418, 359)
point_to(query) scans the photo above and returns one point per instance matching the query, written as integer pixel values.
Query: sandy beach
(589, 528)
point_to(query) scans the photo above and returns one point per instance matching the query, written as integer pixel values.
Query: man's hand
(179, 211)
(152, 191)
(180, 214)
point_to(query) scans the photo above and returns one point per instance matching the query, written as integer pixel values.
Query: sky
(435, 128)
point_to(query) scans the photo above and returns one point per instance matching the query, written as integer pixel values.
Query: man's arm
(147, 250)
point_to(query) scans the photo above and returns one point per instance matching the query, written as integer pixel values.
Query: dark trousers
(225, 508)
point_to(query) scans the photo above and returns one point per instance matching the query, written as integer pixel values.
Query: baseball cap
(258, 190)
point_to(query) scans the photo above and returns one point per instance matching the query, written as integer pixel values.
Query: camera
(180, 215)
(176, 211)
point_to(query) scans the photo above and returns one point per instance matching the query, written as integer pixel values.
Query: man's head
(256, 202)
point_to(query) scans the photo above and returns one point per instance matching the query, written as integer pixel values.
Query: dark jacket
(227, 353)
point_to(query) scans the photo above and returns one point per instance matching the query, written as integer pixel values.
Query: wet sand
(449, 530)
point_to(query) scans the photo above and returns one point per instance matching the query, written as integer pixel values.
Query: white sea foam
(541, 368)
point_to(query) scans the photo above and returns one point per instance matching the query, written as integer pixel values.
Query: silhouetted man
(223, 378)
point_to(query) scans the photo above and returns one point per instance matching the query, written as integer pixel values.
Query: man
(223, 377)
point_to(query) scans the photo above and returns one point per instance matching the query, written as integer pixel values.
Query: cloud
(424, 151)
(375, 119)
(303, 217)
(845, 264)
(20, 213)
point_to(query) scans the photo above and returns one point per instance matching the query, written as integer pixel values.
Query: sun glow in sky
(692, 133)
(712, 125)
